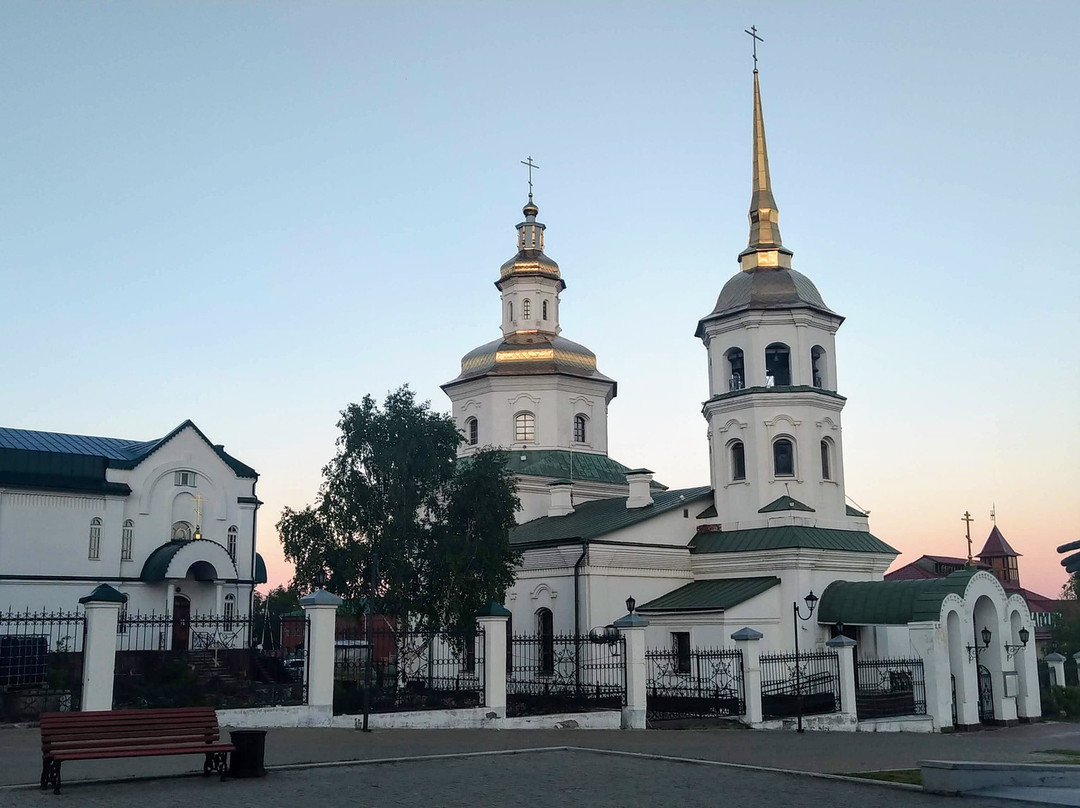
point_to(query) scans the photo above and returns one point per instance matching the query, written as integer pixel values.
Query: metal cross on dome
(529, 162)
(753, 34)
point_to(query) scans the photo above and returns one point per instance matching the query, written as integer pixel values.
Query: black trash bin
(247, 759)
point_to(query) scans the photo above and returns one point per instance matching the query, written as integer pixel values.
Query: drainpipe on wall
(577, 613)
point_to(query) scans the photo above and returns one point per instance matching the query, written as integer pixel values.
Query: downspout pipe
(577, 613)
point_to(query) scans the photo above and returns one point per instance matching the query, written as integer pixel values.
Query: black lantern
(1013, 650)
(986, 636)
(631, 604)
(321, 578)
(811, 602)
(1025, 635)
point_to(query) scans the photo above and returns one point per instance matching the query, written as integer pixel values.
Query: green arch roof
(157, 563)
(889, 603)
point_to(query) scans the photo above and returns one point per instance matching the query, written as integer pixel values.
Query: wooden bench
(130, 733)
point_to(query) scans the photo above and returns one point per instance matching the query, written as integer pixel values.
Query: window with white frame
(580, 429)
(680, 646)
(95, 538)
(230, 610)
(524, 427)
(126, 540)
(738, 461)
(232, 543)
(544, 309)
(826, 460)
(472, 432)
(526, 309)
(185, 478)
(783, 458)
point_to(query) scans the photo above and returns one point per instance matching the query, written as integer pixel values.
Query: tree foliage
(398, 519)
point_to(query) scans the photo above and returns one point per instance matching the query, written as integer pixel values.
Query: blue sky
(253, 214)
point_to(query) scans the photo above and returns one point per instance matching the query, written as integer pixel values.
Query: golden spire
(765, 248)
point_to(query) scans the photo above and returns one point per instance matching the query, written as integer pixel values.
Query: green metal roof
(785, 503)
(157, 563)
(711, 595)
(260, 569)
(55, 460)
(560, 463)
(853, 512)
(600, 516)
(889, 603)
(783, 537)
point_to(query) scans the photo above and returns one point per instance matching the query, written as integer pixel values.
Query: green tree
(1066, 633)
(267, 612)
(397, 513)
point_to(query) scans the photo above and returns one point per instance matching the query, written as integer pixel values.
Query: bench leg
(215, 762)
(50, 774)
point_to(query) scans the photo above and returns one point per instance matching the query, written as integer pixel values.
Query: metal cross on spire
(968, 519)
(993, 514)
(531, 166)
(757, 39)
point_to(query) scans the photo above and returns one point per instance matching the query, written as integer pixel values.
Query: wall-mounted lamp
(1013, 650)
(973, 650)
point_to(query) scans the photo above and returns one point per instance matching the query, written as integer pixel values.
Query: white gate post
(1056, 662)
(930, 644)
(492, 618)
(746, 640)
(321, 610)
(1076, 659)
(102, 608)
(845, 652)
(632, 627)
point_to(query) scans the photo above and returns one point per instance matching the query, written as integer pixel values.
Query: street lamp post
(811, 602)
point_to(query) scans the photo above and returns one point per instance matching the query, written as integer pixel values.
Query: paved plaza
(526, 778)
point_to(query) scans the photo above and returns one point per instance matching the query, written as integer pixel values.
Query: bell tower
(775, 443)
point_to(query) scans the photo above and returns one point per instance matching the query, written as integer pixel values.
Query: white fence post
(930, 644)
(845, 652)
(321, 610)
(102, 608)
(746, 640)
(1056, 662)
(632, 627)
(492, 618)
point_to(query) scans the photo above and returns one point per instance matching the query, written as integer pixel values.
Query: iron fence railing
(697, 683)
(41, 659)
(179, 660)
(814, 677)
(554, 673)
(889, 687)
(408, 670)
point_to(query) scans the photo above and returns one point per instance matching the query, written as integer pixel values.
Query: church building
(772, 524)
(170, 522)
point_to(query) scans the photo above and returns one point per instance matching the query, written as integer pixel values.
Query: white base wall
(474, 718)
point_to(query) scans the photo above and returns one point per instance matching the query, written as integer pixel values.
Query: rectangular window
(185, 478)
(125, 543)
(680, 644)
(95, 539)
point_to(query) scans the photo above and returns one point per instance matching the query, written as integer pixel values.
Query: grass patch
(910, 776)
(1066, 756)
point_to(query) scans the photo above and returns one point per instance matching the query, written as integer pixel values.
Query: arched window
(95, 538)
(778, 365)
(524, 427)
(783, 452)
(126, 540)
(736, 372)
(579, 429)
(738, 461)
(230, 610)
(231, 545)
(526, 309)
(181, 531)
(543, 309)
(510, 310)
(545, 629)
(472, 432)
(826, 460)
(818, 369)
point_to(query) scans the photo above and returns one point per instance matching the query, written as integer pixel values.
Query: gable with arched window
(95, 538)
(524, 427)
(231, 542)
(783, 457)
(127, 539)
(737, 452)
(581, 434)
(777, 365)
(472, 431)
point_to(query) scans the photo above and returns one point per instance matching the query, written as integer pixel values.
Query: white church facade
(772, 525)
(169, 522)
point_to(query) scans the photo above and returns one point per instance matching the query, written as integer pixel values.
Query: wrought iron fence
(815, 678)
(555, 673)
(704, 683)
(168, 660)
(41, 659)
(888, 687)
(408, 670)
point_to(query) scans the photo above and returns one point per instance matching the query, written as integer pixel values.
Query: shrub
(1061, 702)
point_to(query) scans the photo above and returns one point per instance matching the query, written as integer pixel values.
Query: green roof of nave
(601, 516)
(710, 595)
(574, 466)
(784, 537)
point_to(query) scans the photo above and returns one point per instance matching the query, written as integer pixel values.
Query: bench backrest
(121, 729)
